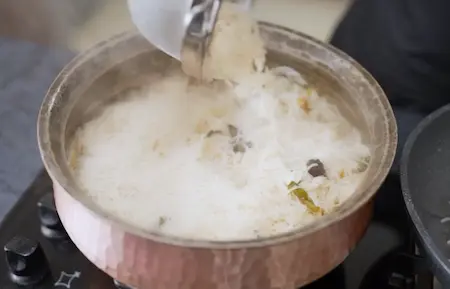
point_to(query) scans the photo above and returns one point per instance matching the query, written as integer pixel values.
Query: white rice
(236, 49)
(148, 159)
(213, 161)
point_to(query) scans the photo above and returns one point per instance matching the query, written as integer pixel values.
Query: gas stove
(37, 254)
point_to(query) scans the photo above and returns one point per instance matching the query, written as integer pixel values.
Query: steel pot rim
(58, 175)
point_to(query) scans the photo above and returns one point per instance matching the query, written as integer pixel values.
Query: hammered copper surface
(150, 260)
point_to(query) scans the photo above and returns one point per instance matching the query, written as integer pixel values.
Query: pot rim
(57, 175)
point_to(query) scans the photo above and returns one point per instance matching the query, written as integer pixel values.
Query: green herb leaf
(304, 198)
(162, 221)
(291, 185)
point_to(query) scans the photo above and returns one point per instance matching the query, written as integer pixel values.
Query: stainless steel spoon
(180, 28)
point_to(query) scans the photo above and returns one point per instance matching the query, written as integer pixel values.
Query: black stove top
(38, 255)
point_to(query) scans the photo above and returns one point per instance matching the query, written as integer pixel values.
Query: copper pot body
(148, 260)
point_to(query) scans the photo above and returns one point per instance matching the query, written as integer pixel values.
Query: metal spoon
(180, 28)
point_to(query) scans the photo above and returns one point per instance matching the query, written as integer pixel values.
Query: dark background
(32, 52)
(26, 72)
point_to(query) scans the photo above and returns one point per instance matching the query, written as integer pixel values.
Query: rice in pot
(258, 156)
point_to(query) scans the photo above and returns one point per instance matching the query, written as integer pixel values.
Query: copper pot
(151, 260)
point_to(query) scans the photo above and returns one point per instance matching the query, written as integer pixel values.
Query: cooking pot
(144, 259)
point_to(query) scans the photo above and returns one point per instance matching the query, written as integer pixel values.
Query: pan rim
(57, 174)
(423, 235)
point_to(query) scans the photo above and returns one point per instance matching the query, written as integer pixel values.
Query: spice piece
(233, 130)
(303, 104)
(316, 168)
(213, 132)
(239, 145)
(239, 148)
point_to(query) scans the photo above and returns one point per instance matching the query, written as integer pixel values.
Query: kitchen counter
(26, 72)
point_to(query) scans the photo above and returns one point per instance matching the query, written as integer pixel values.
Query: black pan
(425, 179)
